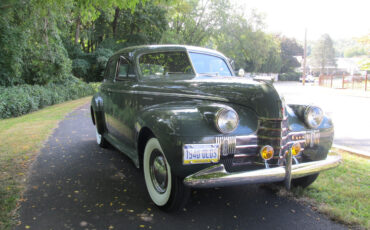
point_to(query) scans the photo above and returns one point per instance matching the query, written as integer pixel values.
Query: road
(350, 113)
(74, 184)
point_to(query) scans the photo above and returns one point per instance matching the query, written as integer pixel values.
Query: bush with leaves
(291, 76)
(22, 99)
(12, 44)
(80, 67)
(90, 66)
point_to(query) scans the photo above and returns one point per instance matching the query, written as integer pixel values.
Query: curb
(357, 152)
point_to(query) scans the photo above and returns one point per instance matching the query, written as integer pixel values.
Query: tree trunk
(88, 45)
(82, 44)
(115, 22)
(77, 34)
(46, 37)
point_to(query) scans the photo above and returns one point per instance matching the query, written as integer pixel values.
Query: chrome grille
(228, 145)
(273, 132)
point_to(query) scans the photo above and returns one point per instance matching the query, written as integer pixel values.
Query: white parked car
(309, 78)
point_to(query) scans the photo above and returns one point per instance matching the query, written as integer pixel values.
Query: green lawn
(343, 193)
(21, 139)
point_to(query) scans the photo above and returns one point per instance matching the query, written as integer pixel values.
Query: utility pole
(304, 57)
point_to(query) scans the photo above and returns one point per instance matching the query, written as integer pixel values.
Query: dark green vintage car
(181, 114)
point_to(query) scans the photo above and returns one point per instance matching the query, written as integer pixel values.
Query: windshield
(163, 65)
(209, 65)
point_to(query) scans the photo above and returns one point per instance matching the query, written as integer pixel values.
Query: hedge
(18, 100)
(292, 76)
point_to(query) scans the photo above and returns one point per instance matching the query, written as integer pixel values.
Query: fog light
(267, 152)
(296, 148)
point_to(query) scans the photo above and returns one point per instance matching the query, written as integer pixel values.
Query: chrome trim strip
(271, 119)
(241, 155)
(273, 138)
(169, 94)
(246, 146)
(273, 129)
(247, 137)
(217, 176)
(288, 170)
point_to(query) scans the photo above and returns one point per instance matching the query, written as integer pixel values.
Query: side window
(164, 64)
(106, 72)
(110, 71)
(125, 69)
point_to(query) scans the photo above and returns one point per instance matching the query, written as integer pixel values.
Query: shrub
(80, 67)
(291, 76)
(22, 99)
(90, 66)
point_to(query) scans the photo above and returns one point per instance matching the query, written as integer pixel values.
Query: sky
(341, 19)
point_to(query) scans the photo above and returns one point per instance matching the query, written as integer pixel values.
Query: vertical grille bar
(228, 145)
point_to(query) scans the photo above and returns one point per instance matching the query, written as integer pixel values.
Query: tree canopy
(323, 53)
(44, 41)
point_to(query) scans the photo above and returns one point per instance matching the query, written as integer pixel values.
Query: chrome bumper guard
(217, 176)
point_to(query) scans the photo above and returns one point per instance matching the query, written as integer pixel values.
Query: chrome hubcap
(158, 171)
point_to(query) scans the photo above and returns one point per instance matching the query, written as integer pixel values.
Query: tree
(87, 11)
(289, 49)
(365, 62)
(244, 41)
(323, 53)
(194, 22)
(13, 39)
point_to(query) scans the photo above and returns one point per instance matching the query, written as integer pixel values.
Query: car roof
(149, 48)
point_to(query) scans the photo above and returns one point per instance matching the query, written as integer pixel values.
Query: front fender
(194, 119)
(191, 122)
(325, 131)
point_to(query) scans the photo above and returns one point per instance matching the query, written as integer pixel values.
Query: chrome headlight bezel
(224, 114)
(313, 116)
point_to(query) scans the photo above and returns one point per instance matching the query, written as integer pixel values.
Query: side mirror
(241, 73)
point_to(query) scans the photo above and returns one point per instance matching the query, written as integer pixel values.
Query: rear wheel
(165, 189)
(102, 142)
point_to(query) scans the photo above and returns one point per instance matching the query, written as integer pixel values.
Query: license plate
(201, 153)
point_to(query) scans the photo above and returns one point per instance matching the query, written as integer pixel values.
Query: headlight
(313, 116)
(227, 120)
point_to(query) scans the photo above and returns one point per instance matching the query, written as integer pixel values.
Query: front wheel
(165, 189)
(304, 181)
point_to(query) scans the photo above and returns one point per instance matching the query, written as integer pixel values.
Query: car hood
(258, 96)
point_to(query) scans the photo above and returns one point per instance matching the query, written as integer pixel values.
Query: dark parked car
(180, 114)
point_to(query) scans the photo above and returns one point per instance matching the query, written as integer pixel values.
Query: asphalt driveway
(74, 184)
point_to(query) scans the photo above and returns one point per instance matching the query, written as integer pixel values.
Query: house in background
(347, 66)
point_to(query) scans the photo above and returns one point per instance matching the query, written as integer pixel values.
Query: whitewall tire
(165, 190)
(158, 185)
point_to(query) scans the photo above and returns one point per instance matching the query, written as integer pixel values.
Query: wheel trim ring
(158, 171)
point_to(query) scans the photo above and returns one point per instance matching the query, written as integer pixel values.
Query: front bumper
(217, 176)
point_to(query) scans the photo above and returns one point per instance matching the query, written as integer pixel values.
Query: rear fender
(97, 113)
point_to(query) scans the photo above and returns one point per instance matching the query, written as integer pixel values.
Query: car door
(109, 78)
(123, 106)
